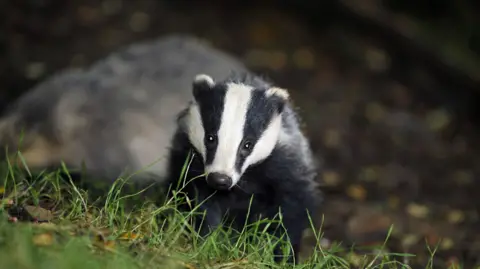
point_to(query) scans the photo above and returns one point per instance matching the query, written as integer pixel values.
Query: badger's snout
(219, 181)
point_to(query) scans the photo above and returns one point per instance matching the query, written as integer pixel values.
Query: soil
(388, 157)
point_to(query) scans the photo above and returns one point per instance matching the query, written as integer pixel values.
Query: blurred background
(389, 92)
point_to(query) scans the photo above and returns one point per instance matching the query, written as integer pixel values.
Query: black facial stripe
(260, 113)
(211, 103)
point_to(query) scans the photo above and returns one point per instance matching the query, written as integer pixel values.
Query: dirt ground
(388, 158)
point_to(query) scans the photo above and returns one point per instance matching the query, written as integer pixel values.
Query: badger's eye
(210, 139)
(247, 146)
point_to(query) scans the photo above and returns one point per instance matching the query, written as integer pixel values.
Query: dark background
(389, 91)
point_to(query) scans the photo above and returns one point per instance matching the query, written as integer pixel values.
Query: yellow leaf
(2, 190)
(44, 239)
(109, 245)
(129, 236)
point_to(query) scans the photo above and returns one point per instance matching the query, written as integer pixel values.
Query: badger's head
(233, 126)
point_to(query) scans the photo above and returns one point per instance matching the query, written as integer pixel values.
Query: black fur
(283, 182)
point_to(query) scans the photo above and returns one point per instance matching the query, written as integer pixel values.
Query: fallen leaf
(332, 138)
(437, 119)
(417, 210)
(44, 239)
(410, 240)
(189, 266)
(109, 245)
(393, 202)
(129, 236)
(455, 216)
(357, 192)
(447, 243)
(331, 178)
(40, 214)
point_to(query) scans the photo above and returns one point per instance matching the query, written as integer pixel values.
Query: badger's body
(117, 116)
(246, 139)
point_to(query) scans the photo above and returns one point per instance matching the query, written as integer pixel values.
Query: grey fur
(94, 115)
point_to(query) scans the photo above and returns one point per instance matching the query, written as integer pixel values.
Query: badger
(133, 114)
(250, 159)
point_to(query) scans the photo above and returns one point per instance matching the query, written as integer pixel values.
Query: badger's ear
(202, 82)
(281, 96)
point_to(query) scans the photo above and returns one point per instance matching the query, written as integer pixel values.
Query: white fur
(282, 93)
(230, 133)
(195, 130)
(265, 144)
(200, 78)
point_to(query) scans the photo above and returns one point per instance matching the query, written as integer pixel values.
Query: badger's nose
(219, 181)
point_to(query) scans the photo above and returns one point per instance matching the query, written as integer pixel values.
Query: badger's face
(233, 126)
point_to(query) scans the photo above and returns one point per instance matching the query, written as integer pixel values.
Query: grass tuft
(48, 222)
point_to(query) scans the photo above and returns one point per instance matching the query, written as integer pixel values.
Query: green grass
(124, 230)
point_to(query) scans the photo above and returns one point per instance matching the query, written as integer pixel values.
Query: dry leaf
(437, 119)
(331, 178)
(418, 211)
(44, 239)
(109, 245)
(455, 216)
(304, 58)
(447, 243)
(410, 240)
(40, 214)
(129, 236)
(357, 192)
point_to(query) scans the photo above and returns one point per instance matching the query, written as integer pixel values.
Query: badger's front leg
(209, 216)
(294, 206)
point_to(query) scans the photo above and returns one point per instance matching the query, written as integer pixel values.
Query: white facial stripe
(195, 130)
(230, 133)
(265, 144)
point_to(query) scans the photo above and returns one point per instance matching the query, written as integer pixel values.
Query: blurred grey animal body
(118, 115)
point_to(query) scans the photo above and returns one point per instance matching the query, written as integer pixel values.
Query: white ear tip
(279, 92)
(203, 78)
